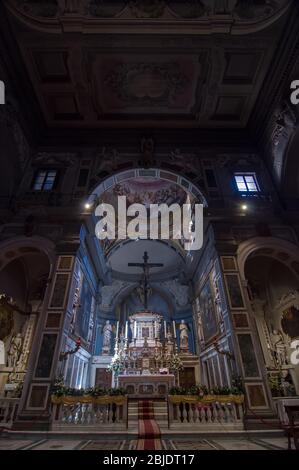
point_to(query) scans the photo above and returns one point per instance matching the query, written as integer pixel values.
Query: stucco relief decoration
(147, 84)
(189, 162)
(283, 125)
(254, 9)
(288, 306)
(147, 8)
(43, 8)
(190, 9)
(179, 292)
(106, 9)
(110, 292)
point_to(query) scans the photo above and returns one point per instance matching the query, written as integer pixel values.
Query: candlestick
(174, 329)
(135, 328)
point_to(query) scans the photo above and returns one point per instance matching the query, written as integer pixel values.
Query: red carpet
(149, 435)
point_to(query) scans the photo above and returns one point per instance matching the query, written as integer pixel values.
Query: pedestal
(190, 375)
(99, 375)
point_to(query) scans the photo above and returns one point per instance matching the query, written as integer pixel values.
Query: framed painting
(235, 296)
(208, 314)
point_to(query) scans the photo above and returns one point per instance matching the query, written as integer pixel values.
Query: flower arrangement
(117, 365)
(175, 363)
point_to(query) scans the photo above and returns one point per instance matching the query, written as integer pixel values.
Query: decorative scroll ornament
(179, 292)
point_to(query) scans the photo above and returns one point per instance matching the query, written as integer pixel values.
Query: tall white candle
(126, 330)
(135, 329)
(174, 329)
(165, 328)
(117, 328)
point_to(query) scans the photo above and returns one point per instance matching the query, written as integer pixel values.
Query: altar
(148, 357)
(153, 385)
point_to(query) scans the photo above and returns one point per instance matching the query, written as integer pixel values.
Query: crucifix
(146, 267)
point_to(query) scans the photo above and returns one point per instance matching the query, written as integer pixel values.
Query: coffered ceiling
(146, 79)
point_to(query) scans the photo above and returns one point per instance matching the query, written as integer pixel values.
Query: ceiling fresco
(147, 191)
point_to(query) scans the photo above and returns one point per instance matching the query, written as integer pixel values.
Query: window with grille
(246, 183)
(44, 180)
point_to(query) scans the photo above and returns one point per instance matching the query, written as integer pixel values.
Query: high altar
(148, 349)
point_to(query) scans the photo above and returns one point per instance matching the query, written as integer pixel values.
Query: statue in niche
(107, 335)
(76, 304)
(200, 329)
(184, 337)
(217, 302)
(14, 351)
(278, 348)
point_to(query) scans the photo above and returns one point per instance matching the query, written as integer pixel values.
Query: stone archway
(283, 250)
(26, 265)
(269, 269)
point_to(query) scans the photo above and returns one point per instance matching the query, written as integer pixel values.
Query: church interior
(137, 343)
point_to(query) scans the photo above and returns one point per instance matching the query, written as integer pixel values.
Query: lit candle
(174, 329)
(126, 330)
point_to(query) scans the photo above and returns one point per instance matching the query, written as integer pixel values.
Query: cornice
(139, 17)
(278, 78)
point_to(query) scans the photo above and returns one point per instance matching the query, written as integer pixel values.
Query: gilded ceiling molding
(233, 17)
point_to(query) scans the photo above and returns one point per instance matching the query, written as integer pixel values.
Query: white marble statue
(278, 348)
(14, 351)
(107, 336)
(200, 329)
(184, 337)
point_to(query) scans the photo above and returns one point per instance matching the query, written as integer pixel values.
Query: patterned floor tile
(239, 444)
(105, 445)
(11, 444)
(53, 444)
(201, 444)
(276, 442)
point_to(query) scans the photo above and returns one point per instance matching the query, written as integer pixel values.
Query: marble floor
(218, 443)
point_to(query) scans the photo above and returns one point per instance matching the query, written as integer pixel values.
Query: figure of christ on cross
(146, 266)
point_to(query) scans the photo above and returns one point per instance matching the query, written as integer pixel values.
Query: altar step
(160, 410)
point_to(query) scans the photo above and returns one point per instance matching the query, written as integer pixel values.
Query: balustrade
(89, 413)
(215, 414)
(8, 411)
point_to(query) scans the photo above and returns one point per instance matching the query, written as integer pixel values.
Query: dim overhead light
(244, 207)
(87, 205)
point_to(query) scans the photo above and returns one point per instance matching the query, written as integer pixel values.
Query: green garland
(59, 389)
